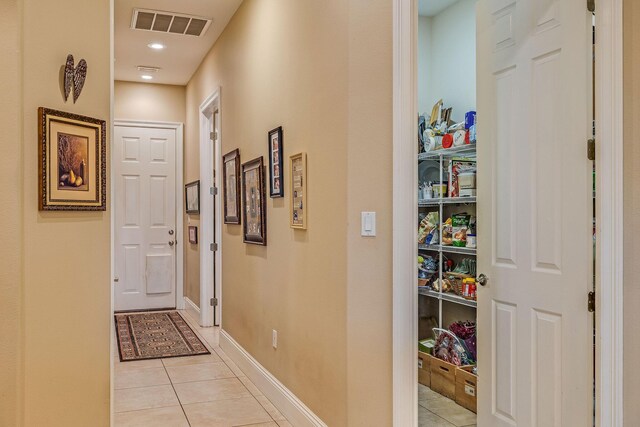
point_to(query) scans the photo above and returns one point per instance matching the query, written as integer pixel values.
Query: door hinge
(213, 191)
(213, 302)
(213, 247)
(591, 5)
(213, 136)
(591, 302)
(591, 149)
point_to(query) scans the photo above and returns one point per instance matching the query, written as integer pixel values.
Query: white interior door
(535, 333)
(145, 217)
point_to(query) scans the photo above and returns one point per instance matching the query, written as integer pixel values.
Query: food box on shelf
(443, 378)
(467, 388)
(424, 368)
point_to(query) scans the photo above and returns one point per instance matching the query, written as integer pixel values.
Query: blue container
(469, 119)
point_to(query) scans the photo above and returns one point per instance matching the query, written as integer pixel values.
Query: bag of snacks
(428, 230)
(447, 233)
(460, 226)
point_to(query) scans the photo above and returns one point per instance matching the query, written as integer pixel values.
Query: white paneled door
(535, 231)
(145, 217)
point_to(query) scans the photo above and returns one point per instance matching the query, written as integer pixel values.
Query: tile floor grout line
(176, 393)
(219, 352)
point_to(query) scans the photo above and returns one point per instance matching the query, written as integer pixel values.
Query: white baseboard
(296, 412)
(192, 309)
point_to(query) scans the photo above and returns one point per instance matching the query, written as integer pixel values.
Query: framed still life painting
(276, 183)
(231, 187)
(298, 182)
(72, 169)
(253, 196)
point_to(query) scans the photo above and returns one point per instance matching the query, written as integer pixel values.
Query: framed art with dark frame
(192, 197)
(72, 168)
(231, 187)
(276, 174)
(254, 201)
(193, 234)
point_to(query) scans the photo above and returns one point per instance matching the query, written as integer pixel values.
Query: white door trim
(210, 153)
(405, 214)
(610, 206)
(609, 284)
(179, 129)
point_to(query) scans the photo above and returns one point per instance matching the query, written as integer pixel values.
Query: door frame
(210, 158)
(178, 128)
(609, 212)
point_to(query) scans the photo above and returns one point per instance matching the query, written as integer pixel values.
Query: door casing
(609, 210)
(210, 262)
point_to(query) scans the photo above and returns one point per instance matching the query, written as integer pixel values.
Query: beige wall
(631, 40)
(147, 101)
(322, 70)
(55, 288)
(10, 213)
(370, 182)
(144, 101)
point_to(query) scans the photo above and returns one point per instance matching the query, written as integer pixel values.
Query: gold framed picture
(73, 158)
(298, 181)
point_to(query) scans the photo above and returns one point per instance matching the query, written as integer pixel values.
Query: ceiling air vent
(169, 22)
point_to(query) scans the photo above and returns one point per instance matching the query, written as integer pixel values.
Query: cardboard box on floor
(443, 378)
(424, 368)
(467, 388)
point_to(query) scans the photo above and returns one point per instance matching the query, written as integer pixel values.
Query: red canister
(447, 140)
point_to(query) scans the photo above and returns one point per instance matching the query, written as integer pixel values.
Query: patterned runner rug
(155, 335)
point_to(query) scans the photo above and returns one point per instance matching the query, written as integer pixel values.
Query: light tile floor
(208, 390)
(435, 410)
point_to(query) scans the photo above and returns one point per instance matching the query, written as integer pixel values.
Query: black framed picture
(276, 182)
(192, 197)
(193, 234)
(254, 200)
(231, 187)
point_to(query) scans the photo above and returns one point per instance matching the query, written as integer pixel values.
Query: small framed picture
(298, 182)
(72, 166)
(231, 190)
(192, 197)
(276, 187)
(253, 196)
(193, 234)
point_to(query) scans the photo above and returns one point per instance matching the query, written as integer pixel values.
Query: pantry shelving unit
(443, 156)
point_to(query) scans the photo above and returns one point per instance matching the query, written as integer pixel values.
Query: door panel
(535, 244)
(145, 217)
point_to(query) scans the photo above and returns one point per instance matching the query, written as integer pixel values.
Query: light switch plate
(368, 224)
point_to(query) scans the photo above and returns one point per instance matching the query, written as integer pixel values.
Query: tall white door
(535, 333)
(145, 217)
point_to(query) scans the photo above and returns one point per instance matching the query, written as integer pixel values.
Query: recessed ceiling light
(146, 77)
(156, 46)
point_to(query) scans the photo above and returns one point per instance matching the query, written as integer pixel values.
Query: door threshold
(144, 310)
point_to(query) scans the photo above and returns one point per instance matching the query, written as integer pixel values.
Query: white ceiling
(433, 7)
(182, 55)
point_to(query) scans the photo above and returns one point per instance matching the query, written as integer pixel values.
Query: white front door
(535, 212)
(145, 217)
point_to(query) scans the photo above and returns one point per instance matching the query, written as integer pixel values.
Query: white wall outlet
(368, 224)
(274, 338)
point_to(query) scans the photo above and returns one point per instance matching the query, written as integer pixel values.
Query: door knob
(170, 232)
(171, 243)
(482, 279)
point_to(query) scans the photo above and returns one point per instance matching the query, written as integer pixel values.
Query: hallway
(208, 390)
